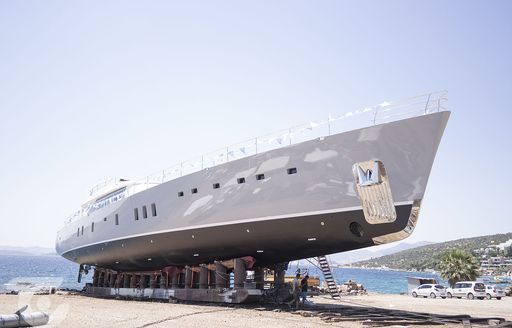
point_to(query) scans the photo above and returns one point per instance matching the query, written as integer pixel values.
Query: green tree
(492, 253)
(508, 251)
(457, 265)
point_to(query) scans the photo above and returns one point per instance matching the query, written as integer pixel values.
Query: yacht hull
(307, 204)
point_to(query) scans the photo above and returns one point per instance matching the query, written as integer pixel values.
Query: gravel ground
(79, 311)
(476, 308)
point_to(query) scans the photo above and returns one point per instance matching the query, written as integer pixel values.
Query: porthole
(356, 229)
(292, 170)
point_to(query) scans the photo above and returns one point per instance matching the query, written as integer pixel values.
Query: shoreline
(383, 269)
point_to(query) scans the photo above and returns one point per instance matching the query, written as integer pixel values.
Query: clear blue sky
(90, 89)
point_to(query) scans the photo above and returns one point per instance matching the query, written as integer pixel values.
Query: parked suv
(467, 289)
(494, 291)
(429, 290)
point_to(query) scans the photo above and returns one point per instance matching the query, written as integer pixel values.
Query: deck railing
(373, 115)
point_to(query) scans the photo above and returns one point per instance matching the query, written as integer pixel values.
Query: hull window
(78, 232)
(216, 185)
(153, 209)
(117, 219)
(82, 233)
(241, 180)
(292, 170)
(106, 200)
(194, 190)
(92, 227)
(144, 212)
(180, 193)
(136, 213)
(260, 176)
(105, 219)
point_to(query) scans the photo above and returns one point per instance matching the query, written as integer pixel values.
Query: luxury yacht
(349, 182)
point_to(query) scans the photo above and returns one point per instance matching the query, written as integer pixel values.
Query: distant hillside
(19, 251)
(372, 252)
(428, 256)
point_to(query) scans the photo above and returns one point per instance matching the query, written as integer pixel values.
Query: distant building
(496, 261)
(491, 248)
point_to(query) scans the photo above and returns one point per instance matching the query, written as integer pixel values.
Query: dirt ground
(79, 311)
(476, 308)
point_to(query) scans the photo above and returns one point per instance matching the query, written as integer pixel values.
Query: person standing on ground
(304, 288)
(296, 291)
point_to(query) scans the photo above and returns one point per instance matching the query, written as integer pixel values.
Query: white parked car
(429, 290)
(493, 291)
(467, 289)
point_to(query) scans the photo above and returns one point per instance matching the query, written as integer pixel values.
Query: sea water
(382, 281)
(17, 272)
(373, 280)
(58, 272)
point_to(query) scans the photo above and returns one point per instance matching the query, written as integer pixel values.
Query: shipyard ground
(69, 310)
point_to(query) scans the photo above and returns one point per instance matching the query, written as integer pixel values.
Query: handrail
(102, 185)
(383, 113)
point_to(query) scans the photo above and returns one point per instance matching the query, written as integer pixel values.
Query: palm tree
(457, 265)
